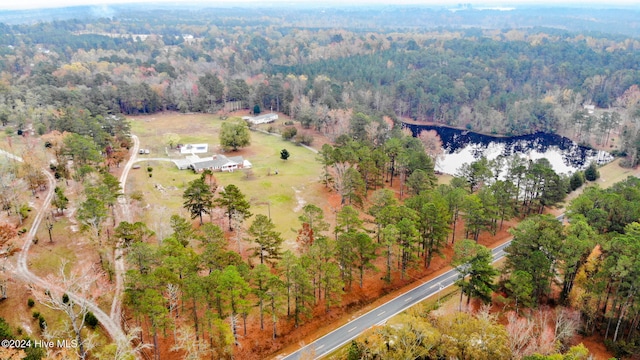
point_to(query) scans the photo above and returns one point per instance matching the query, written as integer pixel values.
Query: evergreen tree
(433, 223)
(234, 202)
(284, 154)
(576, 180)
(210, 91)
(268, 240)
(92, 214)
(535, 249)
(60, 200)
(182, 230)
(520, 288)
(198, 198)
(591, 172)
(365, 253)
(473, 262)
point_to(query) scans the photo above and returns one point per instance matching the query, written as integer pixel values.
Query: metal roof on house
(213, 162)
(182, 164)
(265, 117)
(217, 162)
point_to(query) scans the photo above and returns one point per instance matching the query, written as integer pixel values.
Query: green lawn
(48, 261)
(282, 195)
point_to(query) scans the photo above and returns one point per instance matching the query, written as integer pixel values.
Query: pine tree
(269, 241)
(473, 262)
(198, 198)
(234, 202)
(591, 172)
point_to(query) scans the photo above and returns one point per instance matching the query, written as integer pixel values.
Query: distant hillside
(623, 21)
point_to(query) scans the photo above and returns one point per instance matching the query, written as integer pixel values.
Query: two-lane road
(381, 314)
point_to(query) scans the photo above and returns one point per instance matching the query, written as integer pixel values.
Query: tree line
(517, 82)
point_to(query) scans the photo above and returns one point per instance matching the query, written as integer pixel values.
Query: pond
(461, 147)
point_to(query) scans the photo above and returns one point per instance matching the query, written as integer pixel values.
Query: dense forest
(503, 81)
(71, 83)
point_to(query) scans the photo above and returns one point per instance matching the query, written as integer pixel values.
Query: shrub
(284, 154)
(42, 322)
(289, 132)
(303, 139)
(41, 129)
(24, 211)
(36, 315)
(137, 196)
(30, 302)
(91, 320)
(618, 153)
(288, 122)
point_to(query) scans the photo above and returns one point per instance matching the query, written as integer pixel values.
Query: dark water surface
(462, 147)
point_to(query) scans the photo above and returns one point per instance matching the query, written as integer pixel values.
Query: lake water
(462, 147)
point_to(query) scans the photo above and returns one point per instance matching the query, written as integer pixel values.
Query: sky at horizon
(41, 4)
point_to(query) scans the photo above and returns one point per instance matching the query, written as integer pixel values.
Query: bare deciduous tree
(7, 233)
(521, 337)
(68, 297)
(566, 325)
(122, 349)
(188, 342)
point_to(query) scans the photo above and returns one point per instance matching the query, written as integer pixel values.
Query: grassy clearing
(49, 260)
(281, 195)
(444, 179)
(68, 246)
(612, 173)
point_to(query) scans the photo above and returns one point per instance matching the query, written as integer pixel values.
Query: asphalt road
(333, 340)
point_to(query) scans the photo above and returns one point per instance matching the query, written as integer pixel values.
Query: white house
(590, 108)
(263, 119)
(215, 163)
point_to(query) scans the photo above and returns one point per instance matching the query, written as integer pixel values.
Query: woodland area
(67, 87)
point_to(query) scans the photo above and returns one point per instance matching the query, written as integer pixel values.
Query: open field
(282, 195)
(612, 173)
(45, 257)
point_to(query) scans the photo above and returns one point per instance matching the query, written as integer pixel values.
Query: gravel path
(21, 271)
(116, 305)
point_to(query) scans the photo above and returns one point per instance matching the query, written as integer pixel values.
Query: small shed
(194, 148)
